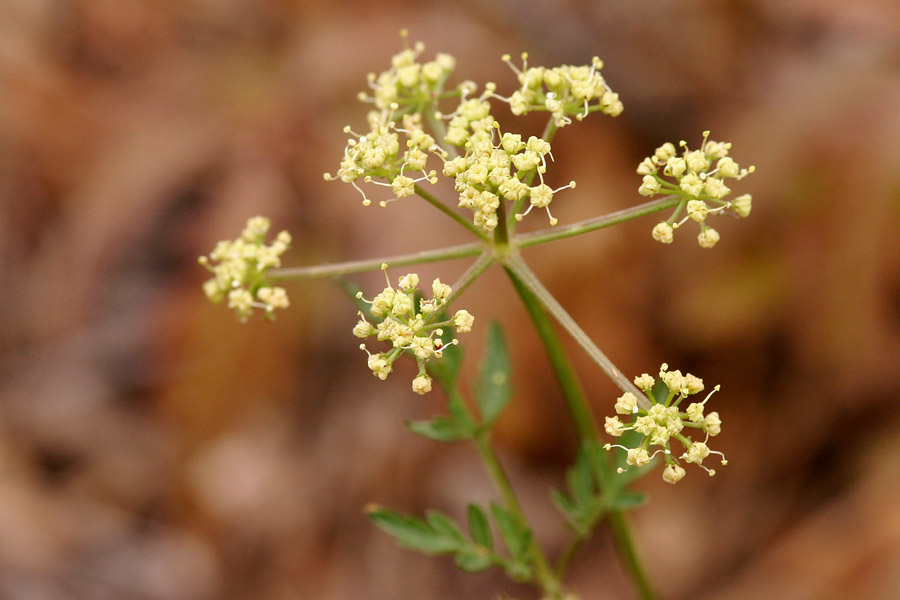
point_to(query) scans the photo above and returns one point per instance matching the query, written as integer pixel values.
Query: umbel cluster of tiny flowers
(663, 422)
(495, 166)
(409, 328)
(402, 91)
(490, 173)
(239, 270)
(699, 179)
(562, 91)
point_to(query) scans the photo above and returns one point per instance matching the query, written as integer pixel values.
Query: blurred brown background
(153, 448)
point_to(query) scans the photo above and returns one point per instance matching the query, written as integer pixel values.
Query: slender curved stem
(579, 412)
(573, 394)
(557, 233)
(514, 263)
(547, 578)
(618, 524)
(472, 273)
(425, 195)
(374, 264)
(545, 575)
(569, 554)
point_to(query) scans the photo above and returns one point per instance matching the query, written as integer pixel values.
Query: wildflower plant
(421, 126)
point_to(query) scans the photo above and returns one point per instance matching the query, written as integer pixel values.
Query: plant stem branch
(472, 273)
(613, 218)
(439, 130)
(428, 197)
(516, 265)
(579, 411)
(544, 573)
(374, 264)
(573, 394)
(618, 524)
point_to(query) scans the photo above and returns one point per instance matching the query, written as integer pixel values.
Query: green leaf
(459, 413)
(581, 479)
(442, 524)
(565, 505)
(440, 429)
(516, 535)
(518, 571)
(479, 528)
(473, 561)
(412, 532)
(628, 499)
(493, 390)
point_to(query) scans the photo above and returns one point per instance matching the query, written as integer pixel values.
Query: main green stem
(547, 579)
(579, 411)
(544, 573)
(516, 265)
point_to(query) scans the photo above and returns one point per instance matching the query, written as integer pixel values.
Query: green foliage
(454, 428)
(517, 538)
(595, 488)
(479, 527)
(473, 552)
(493, 390)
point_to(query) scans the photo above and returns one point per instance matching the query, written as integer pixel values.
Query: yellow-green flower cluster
(239, 270)
(376, 158)
(662, 422)
(470, 122)
(490, 173)
(409, 328)
(409, 82)
(699, 179)
(564, 91)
